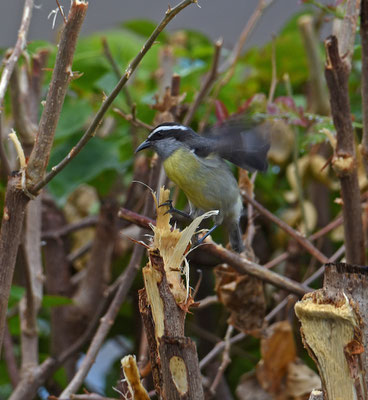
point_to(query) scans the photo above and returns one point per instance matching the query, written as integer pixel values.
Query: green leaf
(144, 28)
(55, 301)
(97, 157)
(16, 294)
(73, 117)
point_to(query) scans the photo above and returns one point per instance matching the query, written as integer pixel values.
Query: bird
(198, 165)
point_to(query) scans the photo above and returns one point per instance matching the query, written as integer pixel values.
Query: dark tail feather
(236, 239)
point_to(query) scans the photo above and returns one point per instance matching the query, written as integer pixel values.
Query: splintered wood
(163, 304)
(333, 331)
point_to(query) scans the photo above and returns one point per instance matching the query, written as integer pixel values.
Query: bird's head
(168, 137)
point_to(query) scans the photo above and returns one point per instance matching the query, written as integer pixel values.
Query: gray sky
(216, 18)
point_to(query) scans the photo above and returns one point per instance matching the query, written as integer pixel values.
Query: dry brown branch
(65, 230)
(10, 359)
(271, 315)
(274, 72)
(27, 388)
(229, 64)
(25, 126)
(61, 77)
(226, 360)
(98, 267)
(231, 61)
(31, 302)
(10, 235)
(245, 266)
(133, 120)
(17, 51)
(116, 70)
(16, 198)
(239, 263)
(344, 161)
(169, 15)
(305, 243)
(364, 39)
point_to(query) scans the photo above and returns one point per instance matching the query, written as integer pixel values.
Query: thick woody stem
(344, 162)
(61, 77)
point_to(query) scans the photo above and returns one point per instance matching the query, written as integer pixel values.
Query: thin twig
(65, 230)
(229, 64)
(344, 162)
(61, 11)
(241, 264)
(274, 71)
(305, 243)
(322, 232)
(133, 120)
(207, 84)
(240, 336)
(106, 323)
(169, 15)
(116, 69)
(225, 360)
(17, 51)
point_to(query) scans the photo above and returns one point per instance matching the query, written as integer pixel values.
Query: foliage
(106, 164)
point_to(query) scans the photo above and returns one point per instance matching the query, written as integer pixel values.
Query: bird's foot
(173, 210)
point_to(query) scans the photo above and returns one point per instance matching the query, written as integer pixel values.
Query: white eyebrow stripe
(167, 128)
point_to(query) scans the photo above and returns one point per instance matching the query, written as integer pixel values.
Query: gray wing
(237, 142)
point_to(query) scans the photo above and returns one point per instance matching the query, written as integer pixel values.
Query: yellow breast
(184, 169)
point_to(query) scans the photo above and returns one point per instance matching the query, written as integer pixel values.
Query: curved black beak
(145, 145)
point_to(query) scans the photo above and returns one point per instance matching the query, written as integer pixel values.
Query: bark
(334, 330)
(10, 236)
(58, 279)
(344, 161)
(61, 77)
(173, 356)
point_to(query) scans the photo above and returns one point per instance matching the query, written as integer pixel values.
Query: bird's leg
(173, 210)
(207, 234)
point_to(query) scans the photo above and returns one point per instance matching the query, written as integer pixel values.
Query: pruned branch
(17, 195)
(61, 77)
(333, 330)
(344, 161)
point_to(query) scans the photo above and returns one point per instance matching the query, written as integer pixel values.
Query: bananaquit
(196, 164)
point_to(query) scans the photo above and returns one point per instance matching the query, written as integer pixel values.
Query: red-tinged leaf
(222, 114)
(244, 107)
